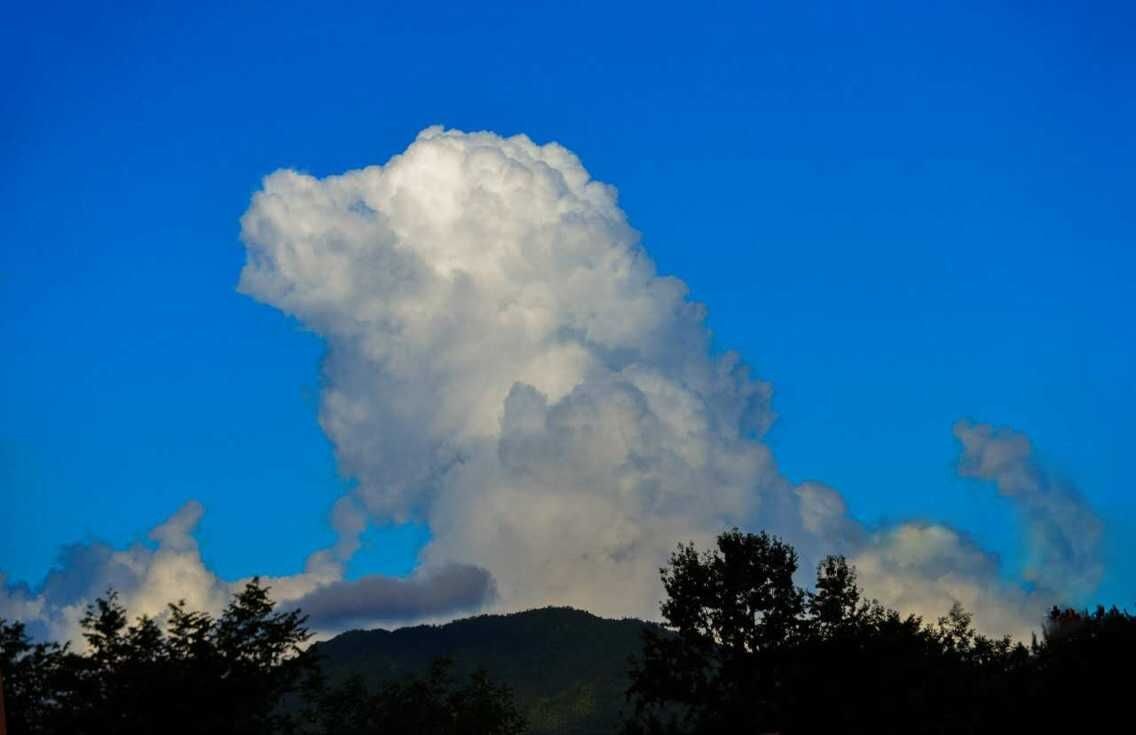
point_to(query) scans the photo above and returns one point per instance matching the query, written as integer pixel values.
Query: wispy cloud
(1063, 534)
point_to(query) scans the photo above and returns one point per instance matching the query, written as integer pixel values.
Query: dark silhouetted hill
(567, 667)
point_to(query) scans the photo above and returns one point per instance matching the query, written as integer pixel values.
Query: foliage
(247, 671)
(196, 675)
(567, 669)
(428, 705)
(33, 678)
(745, 650)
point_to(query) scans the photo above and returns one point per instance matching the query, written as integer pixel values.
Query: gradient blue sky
(900, 215)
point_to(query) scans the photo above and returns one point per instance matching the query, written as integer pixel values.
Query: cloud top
(505, 362)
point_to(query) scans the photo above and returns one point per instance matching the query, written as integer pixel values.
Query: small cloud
(447, 590)
(1063, 533)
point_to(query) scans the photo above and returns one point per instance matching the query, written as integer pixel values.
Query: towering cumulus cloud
(505, 363)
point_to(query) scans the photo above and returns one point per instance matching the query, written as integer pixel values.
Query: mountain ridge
(567, 667)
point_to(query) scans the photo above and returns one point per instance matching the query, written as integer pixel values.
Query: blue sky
(899, 215)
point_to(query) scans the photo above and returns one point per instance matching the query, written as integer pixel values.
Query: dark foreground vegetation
(567, 669)
(747, 651)
(742, 649)
(245, 673)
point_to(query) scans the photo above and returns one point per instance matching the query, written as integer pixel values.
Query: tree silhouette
(31, 676)
(745, 650)
(733, 614)
(425, 705)
(1081, 678)
(245, 672)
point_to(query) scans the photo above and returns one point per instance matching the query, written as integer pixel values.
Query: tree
(246, 672)
(260, 657)
(424, 705)
(232, 674)
(30, 671)
(731, 615)
(746, 650)
(836, 606)
(1081, 673)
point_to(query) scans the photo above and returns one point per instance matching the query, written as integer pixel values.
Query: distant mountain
(567, 667)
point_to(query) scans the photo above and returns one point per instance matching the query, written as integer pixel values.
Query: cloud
(1063, 533)
(924, 568)
(147, 578)
(505, 363)
(444, 591)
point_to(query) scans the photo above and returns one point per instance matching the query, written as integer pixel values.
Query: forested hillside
(567, 668)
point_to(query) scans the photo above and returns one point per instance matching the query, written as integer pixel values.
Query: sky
(899, 216)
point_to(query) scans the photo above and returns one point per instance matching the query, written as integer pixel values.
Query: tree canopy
(246, 672)
(744, 649)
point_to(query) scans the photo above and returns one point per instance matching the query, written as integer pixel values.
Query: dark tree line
(429, 705)
(744, 650)
(246, 672)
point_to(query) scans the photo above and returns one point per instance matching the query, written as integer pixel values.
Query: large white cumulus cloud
(505, 362)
